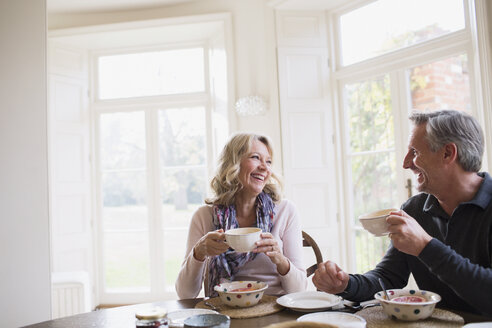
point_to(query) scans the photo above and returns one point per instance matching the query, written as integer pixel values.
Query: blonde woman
(246, 194)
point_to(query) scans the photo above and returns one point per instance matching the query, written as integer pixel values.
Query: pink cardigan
(286, 230)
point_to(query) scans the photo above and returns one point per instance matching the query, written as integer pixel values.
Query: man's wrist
(345, 292)
(424, 243)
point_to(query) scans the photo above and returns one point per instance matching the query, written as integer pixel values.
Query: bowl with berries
(241, 293)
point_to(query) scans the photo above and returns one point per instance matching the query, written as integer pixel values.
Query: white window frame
(395, 64)
(150, 105)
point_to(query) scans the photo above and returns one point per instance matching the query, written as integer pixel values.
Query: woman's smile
(255, 169)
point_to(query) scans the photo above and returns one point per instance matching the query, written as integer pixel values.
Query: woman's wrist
(283, 267)
(197, 255)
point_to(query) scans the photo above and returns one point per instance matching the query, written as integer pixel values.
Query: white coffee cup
(243, 239)
(375, 222)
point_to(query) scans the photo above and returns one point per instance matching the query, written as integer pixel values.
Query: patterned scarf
(226, 265)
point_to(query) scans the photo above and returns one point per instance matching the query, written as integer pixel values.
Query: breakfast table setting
(392, 308)
(302, 309)
(241, 304)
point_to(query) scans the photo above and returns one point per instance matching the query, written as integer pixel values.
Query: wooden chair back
(308, 241)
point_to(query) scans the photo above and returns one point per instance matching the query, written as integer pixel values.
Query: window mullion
(401, 105)
(153, 197)
(99, 246)
(210, 123)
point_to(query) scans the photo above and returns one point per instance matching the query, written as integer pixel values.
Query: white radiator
(70, 293)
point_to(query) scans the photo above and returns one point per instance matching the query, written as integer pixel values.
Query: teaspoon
(384, 289)
(213, 307)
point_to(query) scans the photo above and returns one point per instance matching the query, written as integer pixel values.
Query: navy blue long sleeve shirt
(456, 263)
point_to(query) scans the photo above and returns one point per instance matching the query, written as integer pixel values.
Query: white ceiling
(143, 36)
(90, 6)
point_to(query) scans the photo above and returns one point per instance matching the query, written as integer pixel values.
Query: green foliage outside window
(372, 160)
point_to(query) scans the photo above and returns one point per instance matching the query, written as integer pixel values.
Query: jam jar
(154, 317)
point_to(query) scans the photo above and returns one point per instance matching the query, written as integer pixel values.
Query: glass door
(375, 147)
(126, 265)
(183, 181)
(415, 58)
(153, 145)
(371, 160)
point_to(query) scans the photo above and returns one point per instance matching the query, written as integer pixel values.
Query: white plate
(478, 325)
(340, 319)
(309, 301)
(177, 318)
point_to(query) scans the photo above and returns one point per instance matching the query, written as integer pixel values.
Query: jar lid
(151, 314)
(208, 320)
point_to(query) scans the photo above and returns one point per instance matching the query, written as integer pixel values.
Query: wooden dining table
(124, 316)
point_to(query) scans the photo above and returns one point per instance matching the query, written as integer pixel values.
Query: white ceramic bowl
(241, 293)
(375, 222)
(408, 310)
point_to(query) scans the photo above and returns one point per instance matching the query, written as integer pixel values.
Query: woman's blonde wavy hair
(225, 184)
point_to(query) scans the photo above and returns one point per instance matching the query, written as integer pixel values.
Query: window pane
(124, 195)
(373, 183)
(369, 249)
(371, 125)
(151, 73)
(183, 190)
(443, 84)
(124, 192)
(174, 246)
(372, 159)
(182, 136)
(182, 148)
(183, 168)
(122, 140)
(386, 25)
(126, 261)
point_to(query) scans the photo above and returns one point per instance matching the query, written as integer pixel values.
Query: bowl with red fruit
(241, 293)
(408, 304)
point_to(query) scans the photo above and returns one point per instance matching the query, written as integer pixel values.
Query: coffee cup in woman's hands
(243, 239)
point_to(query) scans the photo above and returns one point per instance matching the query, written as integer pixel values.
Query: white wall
(24, 225)
(254, 47)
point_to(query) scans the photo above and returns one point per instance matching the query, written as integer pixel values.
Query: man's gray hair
(452, 126)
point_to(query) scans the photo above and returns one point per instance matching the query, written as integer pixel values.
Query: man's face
(422, 161)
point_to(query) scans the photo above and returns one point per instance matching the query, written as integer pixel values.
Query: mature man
(443, 236)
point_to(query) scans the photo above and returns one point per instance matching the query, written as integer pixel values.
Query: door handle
(409, 188)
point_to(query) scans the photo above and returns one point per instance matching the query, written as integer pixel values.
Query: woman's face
(255, 169)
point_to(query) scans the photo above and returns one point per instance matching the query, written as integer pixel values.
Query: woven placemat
(267, 305)
(376, 317)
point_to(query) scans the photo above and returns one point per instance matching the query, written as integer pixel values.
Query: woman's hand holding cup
(211, 244)
(269, 246)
